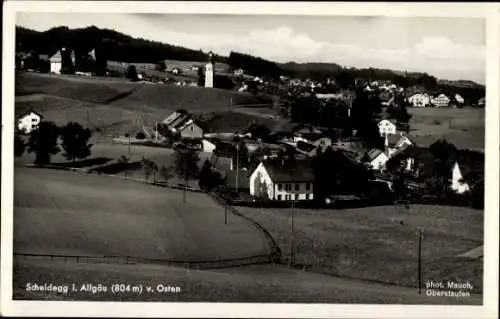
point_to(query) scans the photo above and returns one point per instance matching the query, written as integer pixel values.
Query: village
(251, 172)
(251, 160)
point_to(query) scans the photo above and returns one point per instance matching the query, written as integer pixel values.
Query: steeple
(209, 71)
(210, 57)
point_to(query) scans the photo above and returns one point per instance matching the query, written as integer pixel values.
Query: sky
(448, 48)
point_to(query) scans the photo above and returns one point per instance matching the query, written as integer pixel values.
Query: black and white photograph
(248, 158)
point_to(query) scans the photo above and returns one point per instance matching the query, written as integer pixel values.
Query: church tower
(209, 71)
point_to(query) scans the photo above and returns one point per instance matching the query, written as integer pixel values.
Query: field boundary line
(110, 259)
(275, 249)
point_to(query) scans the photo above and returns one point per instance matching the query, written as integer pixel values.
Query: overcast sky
(449, 48)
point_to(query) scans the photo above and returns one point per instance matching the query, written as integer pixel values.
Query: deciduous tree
(75, 141)
(43, 142)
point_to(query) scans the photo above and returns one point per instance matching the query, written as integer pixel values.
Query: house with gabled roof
(181, 123)
(56, 61)
(377, 159)
(442, 100)
(283, 181)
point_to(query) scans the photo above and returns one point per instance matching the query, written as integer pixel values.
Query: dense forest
(116, 46)
(112, 45)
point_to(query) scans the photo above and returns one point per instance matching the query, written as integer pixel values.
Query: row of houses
(277, 180)
(440, 100)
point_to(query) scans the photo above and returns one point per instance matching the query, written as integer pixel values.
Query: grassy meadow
(380, 243)
(59, 213)
(463, 127)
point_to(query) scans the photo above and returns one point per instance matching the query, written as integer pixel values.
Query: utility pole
(420, 235)
(129, 144)
(237, 165)
(292, 237)
(185, 184)
(225, 214)
(156, 132)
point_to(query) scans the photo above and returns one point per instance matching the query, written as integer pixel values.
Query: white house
(457, 183)
(377, 159)
(207, 146)
(276, 180)
(459, 99)
(56, 61)
(183, 124)
(29, 122)
(386, 128)
(441, 100)
(420, 100)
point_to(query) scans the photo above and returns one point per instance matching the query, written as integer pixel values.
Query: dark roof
(306, 147)
(393, 139)
(243, 178)
(220, 163)
(373, 153)
(290, 171)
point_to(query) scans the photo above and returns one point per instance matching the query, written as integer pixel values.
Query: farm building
(419, 100)
(56, 61)
(398, 142)
(458, 185)
(441, 100)
(183, 124)
(277, 180)
(29, 122)
(377, 159)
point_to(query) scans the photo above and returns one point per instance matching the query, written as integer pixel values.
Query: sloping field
(380, 243)
(66, 213)
(463, 127)
(116, 106)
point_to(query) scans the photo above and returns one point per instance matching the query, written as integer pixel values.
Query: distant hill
(113, 45)
(116, 46)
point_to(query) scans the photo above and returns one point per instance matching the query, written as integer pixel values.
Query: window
(308, 186)
(296, 186)
(33, 120)
(279, 197)
(289, 187)
(280, 187)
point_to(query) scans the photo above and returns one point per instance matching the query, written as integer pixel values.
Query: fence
(206, 264)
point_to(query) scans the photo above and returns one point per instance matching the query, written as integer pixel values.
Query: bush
(140, 136)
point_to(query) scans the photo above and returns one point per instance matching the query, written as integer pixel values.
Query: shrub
(140, 136)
